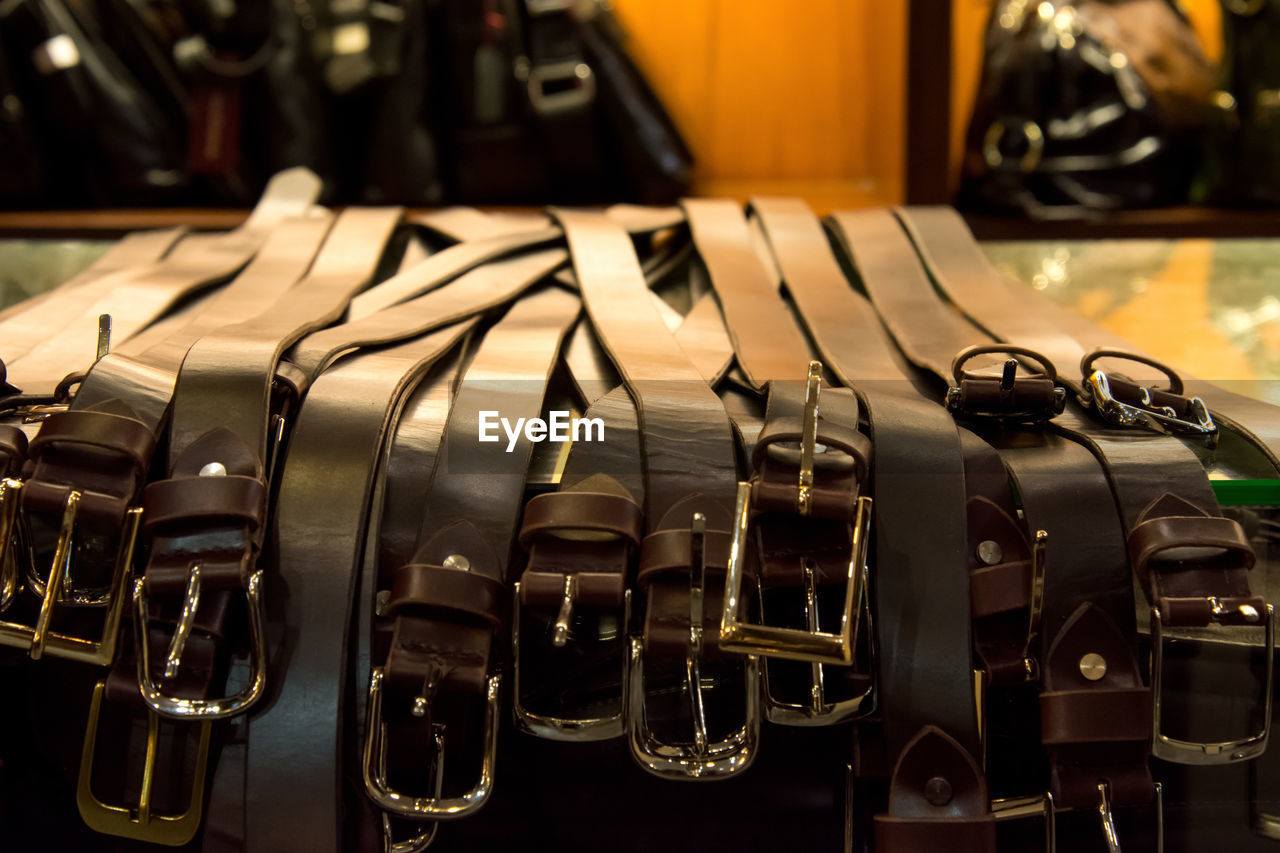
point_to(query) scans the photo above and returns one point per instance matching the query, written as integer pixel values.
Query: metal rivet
(419, 708)
(1249, 612)
(937, 791)
(213, 469)
(457, 561)
(380, 604)
(1093, 666)
(990, 552)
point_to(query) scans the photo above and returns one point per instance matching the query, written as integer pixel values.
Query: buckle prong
(204, 709)
(809, 438)
(1038, 550)
(57, 573)
(560, 631)
(189, 606)
(817, 689)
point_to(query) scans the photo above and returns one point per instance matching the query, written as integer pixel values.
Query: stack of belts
(883, 552)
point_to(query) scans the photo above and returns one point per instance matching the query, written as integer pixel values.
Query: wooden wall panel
(798, 98)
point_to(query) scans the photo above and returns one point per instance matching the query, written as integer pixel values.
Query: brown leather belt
(1191, 563)
(1019, 583)
(26, 324)
(690, 473)
(921, 585)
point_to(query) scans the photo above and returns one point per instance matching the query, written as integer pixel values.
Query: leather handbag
(1085, 106)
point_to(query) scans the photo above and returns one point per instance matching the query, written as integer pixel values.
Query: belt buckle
(1007, 398)
(1042, 805)
(140, 823)
(434, 807)
(701, 759)
(810, 643)
(558, 87)
(198, 709)
(1203, 753)
(563, 728)
(40, 638)
(1128, 404)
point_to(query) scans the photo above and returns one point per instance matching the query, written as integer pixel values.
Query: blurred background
(1152, 113)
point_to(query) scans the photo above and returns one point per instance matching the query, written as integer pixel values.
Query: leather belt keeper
(587, 535)
(13, 450)
(1095, 716)
(196, 500)
(955, 835)
(105, 455)
(205, 521)
(1002, 588)
(1215, 555)
(445, 622)
(664, 577)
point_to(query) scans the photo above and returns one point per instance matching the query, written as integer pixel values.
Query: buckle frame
(9, 580)
(703, 759)
(807, 644)
(140, 823)
(1004, 405)
(435, 807)
(565, 728)
(40, 638)
(1043, 805)
(1145, 412)
(198, 709)
(578, 74)
(1203, 753)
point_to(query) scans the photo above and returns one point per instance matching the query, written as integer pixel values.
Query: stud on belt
(815, 520)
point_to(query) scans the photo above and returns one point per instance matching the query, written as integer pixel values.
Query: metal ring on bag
(1245, 8)
(995, 134)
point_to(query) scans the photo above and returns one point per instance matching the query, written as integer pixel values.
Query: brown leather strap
(918, 486)
(936, 791)
(767, 345)
(322, 524)
(1016, 313)
(26, 324)
(197, 261)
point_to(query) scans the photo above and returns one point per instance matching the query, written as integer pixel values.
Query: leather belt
(802, 528)
(205, 522)
(446, 608)
(1011, 590)
(921, 607)
(689, 475)
(1162, 513)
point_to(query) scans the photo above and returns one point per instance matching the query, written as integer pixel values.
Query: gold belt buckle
(40, 638)
(140, 823)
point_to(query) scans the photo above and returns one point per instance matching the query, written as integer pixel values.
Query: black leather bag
(1084, 106)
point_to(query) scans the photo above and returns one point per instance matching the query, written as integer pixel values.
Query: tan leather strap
(279, 265)
(767, 345)
(26, 324)
(197, 261)
(1016, 313)
(918, 485)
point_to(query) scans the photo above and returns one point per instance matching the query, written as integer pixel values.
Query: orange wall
(800, 98)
